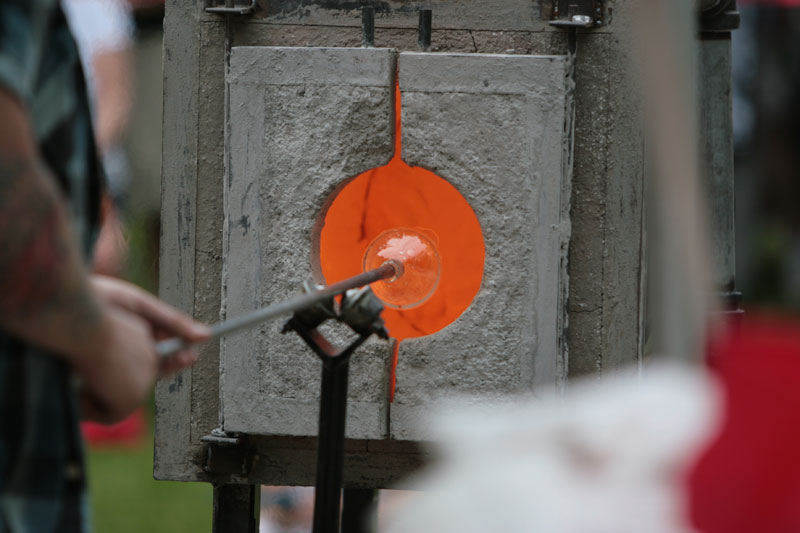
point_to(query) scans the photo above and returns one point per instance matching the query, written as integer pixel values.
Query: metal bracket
(577, 13)
(425, 29)
(359, 309)
(367, 26)
(229, 7)
(731, 300)
(226, 453)
(718, 16)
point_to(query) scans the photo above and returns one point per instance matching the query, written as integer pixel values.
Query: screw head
(583, 19)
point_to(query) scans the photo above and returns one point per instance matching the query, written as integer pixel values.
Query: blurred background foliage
(126, 499)
(766, 55)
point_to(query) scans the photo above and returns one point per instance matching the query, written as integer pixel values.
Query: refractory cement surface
(303, 121)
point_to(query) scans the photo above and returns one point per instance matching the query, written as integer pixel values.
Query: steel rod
(387, 270)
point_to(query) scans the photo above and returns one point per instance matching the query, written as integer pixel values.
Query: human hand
(165, 321)
(120, 372)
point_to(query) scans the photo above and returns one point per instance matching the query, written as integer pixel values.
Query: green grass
(125, 497)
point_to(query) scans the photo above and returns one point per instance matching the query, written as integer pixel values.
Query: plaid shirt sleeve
(41, 453)
(20, 47)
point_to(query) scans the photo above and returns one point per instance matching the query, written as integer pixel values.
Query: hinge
(577, 13)
(232, 7)
(226, 453)
(731, 301)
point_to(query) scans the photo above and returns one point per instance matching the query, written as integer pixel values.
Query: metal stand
(236, 508)
(356, 506)
(360, 310)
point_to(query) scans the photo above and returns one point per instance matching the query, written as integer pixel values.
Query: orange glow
(400, 196)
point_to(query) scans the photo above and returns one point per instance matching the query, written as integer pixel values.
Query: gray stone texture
(716, 124)
(174, 449)
(302, 122)
(606, 250)
(494, 127)
(208, 235)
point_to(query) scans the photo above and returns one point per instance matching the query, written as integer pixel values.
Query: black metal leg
(424, 36)
(236, 508)
(330, 450)
(357, 510)
(361, 311)
(368, 26)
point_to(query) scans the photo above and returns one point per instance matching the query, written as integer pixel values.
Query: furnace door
(305, 121)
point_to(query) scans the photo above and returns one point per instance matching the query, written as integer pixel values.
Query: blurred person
(610, 457)
(286, 509)
(663, 449)
(70, 343)
(679, 449)
(103, 31)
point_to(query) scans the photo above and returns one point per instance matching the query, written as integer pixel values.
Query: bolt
(582, 19)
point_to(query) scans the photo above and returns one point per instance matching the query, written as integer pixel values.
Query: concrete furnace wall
(605, 252)
(305, 120)
(495, 126)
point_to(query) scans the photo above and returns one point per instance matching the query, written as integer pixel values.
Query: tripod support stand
(360, 310)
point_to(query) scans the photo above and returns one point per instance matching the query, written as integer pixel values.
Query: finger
(170, 321)
(184, 360)
(177, 362)
(94, 410)
(158, 313)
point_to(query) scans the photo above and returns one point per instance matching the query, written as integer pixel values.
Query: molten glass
(418, 267)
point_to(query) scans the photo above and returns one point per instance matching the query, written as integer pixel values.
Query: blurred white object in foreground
(609, 458)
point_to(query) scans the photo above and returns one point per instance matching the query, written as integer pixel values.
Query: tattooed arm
(46, 297)
(44, 292)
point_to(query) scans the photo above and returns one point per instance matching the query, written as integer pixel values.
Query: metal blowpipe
(389, 269)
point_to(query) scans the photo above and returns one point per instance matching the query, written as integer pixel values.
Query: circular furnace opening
(399, 196)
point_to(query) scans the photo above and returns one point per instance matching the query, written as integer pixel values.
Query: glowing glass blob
(420, 267)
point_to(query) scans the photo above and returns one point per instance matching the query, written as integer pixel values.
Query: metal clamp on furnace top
(361, 310)
(576, 13)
